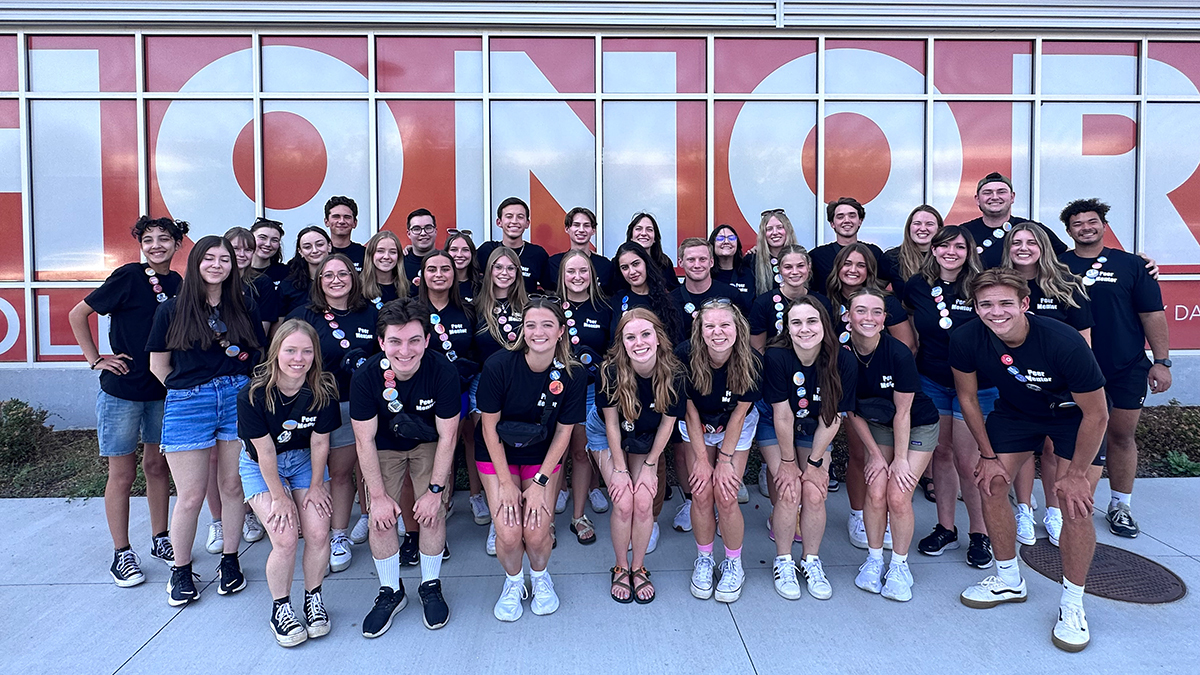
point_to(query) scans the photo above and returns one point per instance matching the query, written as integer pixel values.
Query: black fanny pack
(806, 426)
(638, 444)
(353, 359)
(520, 434)
(877, 409)
(467, 370)
(413, 427)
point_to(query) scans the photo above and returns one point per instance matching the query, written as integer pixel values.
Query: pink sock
(733, 552)
(705, 548)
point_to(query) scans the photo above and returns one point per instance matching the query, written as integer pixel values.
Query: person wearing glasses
(730, 266)
(512, 218)
(466, 267)
(581, 229)
(643, 229)
(312, 248)
(203, 344)
(1051, 387)
(268, 251)
(422, 232)
(846, 218)
(345, 324)
(341, 217)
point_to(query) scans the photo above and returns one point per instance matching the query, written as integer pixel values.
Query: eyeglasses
(717, 302)
(267, 222)
(454, 231)
(769, 212)
(418, 229)
(723, 238)
(548, 298)
(330, 276)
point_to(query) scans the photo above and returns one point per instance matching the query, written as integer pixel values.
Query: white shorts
(745, 440)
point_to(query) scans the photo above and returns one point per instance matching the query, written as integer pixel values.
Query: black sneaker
(315, 616)
(979, 553)
(410, 550)
(181, 588)
(232, 579)
(161, 548)
(126, 568)
(1121, 522)
(939, 541)
(445, 551)
(288, 631)
(387, 604)
(433, 604)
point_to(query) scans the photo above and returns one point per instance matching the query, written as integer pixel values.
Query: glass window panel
(12, 256)
(8, 63)
(972, 139)
(81, 63)
(543, 65)
(983, 66)
(1089, 68)
(875, 66)
(194, 63)
(653, 66)
(429, 64)
(765, 66)
(1172, 185)
(314, 64)
(1173, 69)
(12, 325)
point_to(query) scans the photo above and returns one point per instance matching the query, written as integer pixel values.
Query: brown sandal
(584, 530)
(642, 574)
(619, 573)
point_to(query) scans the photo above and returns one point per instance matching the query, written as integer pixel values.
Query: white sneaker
(898, 584)
(729, 588)
(545, 600)
(508, 607)
(491, 547)
(786, 583)
(818, 583)
(990, 592)
(702, 577)
(339, 552)
(763, 488)
(216, 538)
(1025, 533)
(598, 500)
(252, 530)
(683, 517)
(887, 536)
(743, 494)
(362, 530)
(1071, 632)
(653, 539)
(870, 575)
(479, 509)
(1053, 522)
(560, 504)
(858, 531)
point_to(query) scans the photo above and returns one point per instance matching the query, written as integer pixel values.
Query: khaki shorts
(920, 439)
(417, 463)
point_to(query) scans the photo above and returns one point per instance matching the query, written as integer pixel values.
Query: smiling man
(512, 217)
(696, 258)
(422, 232)
(341, 217)
(994, 196)
(581, 228)
(1050, 387)
(846, 218)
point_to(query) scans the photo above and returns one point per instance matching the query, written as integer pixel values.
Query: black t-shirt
(507, 386)
(466, 291)
(933, 353)
(824, 255)
(276, 272)
(889, 268)
(511, 324)
(627, 300)
(989, 242)
(601, 267)
(453, 332)
(649, 418)
(193, 367)
(589, 328)
(356, 331)
(891, 368)
(430, 393)
(688, 304)
(1079, 318)
(292, 296)
(893, 308)
(785, 378)
(1053, 362)
(766, 314)
(741, 278)
(264, 294)
(533, 262)
(412, 270)
(355, 252)
(387, 293)
(1123, 288)
(716, 406)
(289, 428)
(129, 299)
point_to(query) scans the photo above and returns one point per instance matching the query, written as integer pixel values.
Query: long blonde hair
(370, 284)
(1055, 278)
(743, 369)
(485, 299)
(764, 276)
(562, 349)
(266, 374)
(594, 293)
(619, 382)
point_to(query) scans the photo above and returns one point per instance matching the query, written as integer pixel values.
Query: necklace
(867, 363)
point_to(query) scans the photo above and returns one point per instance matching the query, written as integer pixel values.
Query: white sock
(811, 558)
(856, 514)
(897, 558)
(388, 570)
(1053, 511)
(786, 557)
(1072, 595)
(875, 554)
(519, 577)
(535, 574)
(335, 533)
(431, 567)
(1120, 498)
(1009, 572)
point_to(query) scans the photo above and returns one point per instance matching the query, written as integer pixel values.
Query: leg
(1023, 482)
(783, 517)
(704, 522)
(856, 483)
(467, 434)
(998, 515)
(680, 456)
(733, 525)
(316, 548)
(281, 561)
(538, 541)
(643, 512)
(1078, 542)
(407, 501)
(213, 494)
(899, 502)
(158, 486)
(1049, 473)
(661, 496)
(121, 472)
(875, 513)
(581, 470)
(966, 456)
(510, 543)
(341, 468)
(230, 485)
(812, 518)
(190, 470)
(945, 474)
(1122, 449)
(621, 520)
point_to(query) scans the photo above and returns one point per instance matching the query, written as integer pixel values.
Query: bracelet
(93, 364)
(725, 454)
(625, 471)
(649, 463)
(996, 457)
(788, 461)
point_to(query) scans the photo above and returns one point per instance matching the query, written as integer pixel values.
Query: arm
(429, 505)
(902, 433)
(1158, 335)
(1074, 487)
(1087, 335)
(382, 509)
(876, 464)
(759, 343)
(160, 365)
(904, 332)
(967, 387)
(83, 335)
(283, 509)
(317, 496)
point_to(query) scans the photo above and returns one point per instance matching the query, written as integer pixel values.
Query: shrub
(22, 428)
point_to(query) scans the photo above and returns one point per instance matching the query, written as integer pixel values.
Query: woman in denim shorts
(285, 417)
(203, 344)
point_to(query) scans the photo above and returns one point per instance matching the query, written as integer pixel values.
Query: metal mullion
(372, 138)
(598, 88)
(26, 192)
(820, 126)
(143, 158)
(487, 134)
(710, 146)
(927, 193)
(1035, 123)
(260, 202)
(1139, 192)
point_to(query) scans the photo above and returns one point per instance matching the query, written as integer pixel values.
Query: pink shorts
(522, 471)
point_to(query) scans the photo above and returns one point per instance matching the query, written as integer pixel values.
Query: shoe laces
(897, 571)
(252, 522)
(814, 571)
(872, 565)
(180, 576)
(542, 585)
(314, 607)
(1122, 515)
(285, 618)
(704, 565)
(1073, 616)
(216, 530)
(730, 566)
(340, 544)
(163, 548)
(994, 583)
(785, 571)
(229, 567)
(128, 563)
(517, 587)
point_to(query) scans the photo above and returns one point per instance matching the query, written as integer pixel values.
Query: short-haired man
(696, 258)
(404, 406)
(580, 224)
(846, 217)
(129, 405)
(512, 217)
(994, 196)
(1128, 311)
(422, 232)
(1050, 388)
(341, 217)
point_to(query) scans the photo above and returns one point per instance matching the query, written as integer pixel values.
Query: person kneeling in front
(404, 404)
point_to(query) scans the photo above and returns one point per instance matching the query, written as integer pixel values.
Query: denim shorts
(196, 418)
(597, 436)
(946, 399)
(765, 434)
(745, 438)
(343, 435)
(295, 472)
(120, 423)
(474, 393)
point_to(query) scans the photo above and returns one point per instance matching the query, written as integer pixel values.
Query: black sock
(228, 556)
(313, 591)
(164, 533)
(124, 548)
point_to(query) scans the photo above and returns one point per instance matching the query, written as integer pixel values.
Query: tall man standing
(512, 217)
(995, 197)
(341, 217)
(846, 218)
(422, 232)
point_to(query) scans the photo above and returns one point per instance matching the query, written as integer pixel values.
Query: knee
(154, 465)
(121, 474)
(703, 497)
(877, 492)
(623, 507)
(509, 536)
(812, 497)
(643, 505)
(284, 543)
(579, 455)
(725, 503)
(536, 535)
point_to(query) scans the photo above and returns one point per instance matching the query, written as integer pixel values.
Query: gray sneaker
(1121, 522)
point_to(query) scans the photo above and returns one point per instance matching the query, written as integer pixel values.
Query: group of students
(386, 363)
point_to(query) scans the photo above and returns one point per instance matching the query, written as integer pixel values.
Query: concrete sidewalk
(64, 614)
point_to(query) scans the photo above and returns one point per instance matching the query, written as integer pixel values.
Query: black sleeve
(573, 409)
(775, 378)
(329, 418)
(679, 384)
(1147, 295)
(1080, 318)
(362, 395)
(449, 393)
(848, 371)
(964, 345)
(896, 313)
(490, 396)
(157, 341)
(905, 377)
(602, 400)
(112, 294)
(251, 421)
(760, 315)
(1080, 369)
(1055, 243)
(754, 393)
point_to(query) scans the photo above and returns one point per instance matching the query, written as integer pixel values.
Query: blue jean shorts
(120, 423)
(765, 435)
(946, 399)
(295, 472)
(474, 393)
(597, 436)
(196, 418)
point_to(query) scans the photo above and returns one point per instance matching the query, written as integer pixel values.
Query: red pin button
(1006, 360)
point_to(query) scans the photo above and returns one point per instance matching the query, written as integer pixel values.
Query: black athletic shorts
(1012, 435)
(1127, 389)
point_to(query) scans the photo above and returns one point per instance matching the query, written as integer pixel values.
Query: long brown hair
(743, 369)
(619, 382)
(931, 270)
(827, 365)
(369, 281)
(911, 255)
(1054, 278)
(316, 294)
(189, 327)
(266, 374)
(562, 349)
(240, 235)
(473, 272)
(485, 299)
(833, 284)
(452, 294)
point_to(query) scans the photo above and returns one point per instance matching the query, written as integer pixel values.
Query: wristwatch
(541, 478)
(435, 489)
(1163, 362)
(817, 463)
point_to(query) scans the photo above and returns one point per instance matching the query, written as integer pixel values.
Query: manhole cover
(1116, 573)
